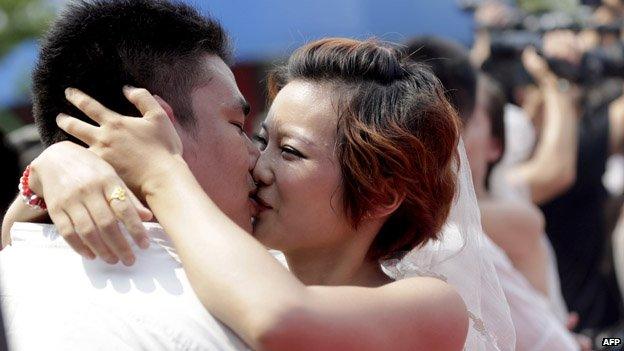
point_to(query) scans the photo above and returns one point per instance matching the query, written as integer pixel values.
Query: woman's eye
(292, 151)
(260, 141)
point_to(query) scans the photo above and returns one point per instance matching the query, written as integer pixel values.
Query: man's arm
(20, 212)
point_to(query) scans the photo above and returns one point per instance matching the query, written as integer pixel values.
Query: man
(53, 301)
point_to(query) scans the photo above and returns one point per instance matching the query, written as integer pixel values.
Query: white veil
(459, 258)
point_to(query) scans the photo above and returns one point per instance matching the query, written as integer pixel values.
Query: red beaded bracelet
(30, 198)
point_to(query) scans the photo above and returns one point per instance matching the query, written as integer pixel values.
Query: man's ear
(165, 105)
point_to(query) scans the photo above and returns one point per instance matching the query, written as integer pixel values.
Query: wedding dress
(460, 258)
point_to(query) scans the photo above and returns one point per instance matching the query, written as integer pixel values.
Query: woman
(358, 165)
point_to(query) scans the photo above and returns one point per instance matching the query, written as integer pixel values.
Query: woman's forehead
(303, 106)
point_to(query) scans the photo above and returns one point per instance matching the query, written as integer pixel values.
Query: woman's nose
(262, 173)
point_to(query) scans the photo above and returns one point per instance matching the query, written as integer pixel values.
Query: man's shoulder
(45, 284)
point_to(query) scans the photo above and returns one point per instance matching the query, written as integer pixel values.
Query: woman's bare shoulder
(512, 215)
(436, 303)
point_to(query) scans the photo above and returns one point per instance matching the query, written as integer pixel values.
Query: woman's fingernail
(60, 117)
(128, 87)
(68, 92)
(144, 243)
(128, 261)
(88, 255)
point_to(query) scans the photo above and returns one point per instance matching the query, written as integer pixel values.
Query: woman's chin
(262, 233)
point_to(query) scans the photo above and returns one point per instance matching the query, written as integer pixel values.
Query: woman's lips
(261, 204)
(253, 206)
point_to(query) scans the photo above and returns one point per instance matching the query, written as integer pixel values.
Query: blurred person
(328, 91)
(507, 219)
(598, 34)
(489, 15)
(520, 139)
(551, 168)
(574, 206)
(552, 106)
(575, 219)
(504, 221)
(449, 63)
(616, 108)
(536, 322)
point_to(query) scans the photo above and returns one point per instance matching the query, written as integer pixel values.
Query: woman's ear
(394, 200)
(165, 105)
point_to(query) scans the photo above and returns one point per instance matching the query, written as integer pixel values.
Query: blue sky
(271, 29)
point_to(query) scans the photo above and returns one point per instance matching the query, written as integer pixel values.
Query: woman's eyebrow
(291, 132)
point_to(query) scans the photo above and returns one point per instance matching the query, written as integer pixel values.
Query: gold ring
(118, 194)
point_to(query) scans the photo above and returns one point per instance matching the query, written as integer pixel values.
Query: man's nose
(254, 153)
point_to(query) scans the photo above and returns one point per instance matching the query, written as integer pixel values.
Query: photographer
(564, 172)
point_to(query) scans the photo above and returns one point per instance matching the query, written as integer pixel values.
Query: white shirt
(53, 299)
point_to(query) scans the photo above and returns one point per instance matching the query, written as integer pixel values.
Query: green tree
(22, 19)
(549, 5)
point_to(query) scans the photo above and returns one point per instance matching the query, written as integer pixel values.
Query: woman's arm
(235, 277)
(75, 184)
(245, 287)
(20, 212)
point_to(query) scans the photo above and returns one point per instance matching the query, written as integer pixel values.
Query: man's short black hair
(99, 46)
(450, 63)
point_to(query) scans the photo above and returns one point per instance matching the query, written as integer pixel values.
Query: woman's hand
(140, 149)
(77, 186)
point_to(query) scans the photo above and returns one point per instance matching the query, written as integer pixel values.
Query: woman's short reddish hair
(397, 134)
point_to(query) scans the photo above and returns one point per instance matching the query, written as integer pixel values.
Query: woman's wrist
(33, 180)
(169, 171)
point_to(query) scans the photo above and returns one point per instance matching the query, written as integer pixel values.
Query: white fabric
(618, 251)
(458, 258)
(555, 296)
(53, 299)
(520, 140)
(537, 328)
(613, 177)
